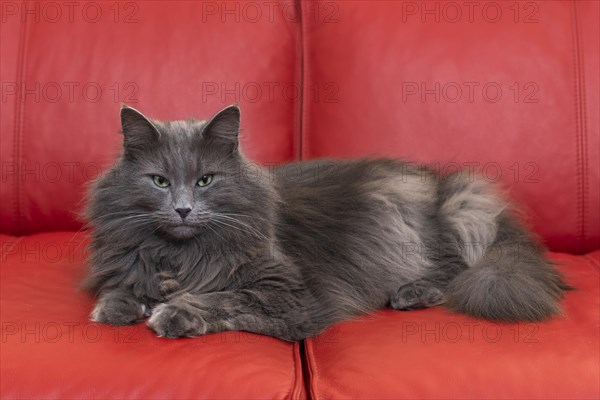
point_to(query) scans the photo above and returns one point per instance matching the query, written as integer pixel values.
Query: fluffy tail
(511, 281)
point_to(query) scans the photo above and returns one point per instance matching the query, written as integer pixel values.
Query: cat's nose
(183, 212)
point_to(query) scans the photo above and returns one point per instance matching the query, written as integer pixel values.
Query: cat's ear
(138, 131)
(223, 129)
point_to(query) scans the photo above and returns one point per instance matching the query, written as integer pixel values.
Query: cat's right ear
(139, 132)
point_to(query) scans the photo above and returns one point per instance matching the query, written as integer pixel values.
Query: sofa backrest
(509, 89)
(65, 77)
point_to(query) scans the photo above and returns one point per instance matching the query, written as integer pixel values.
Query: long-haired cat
(188, 232)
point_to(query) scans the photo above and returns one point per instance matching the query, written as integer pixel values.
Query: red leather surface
(377, 78)
(51, 350)
(173, 60)
(433, 354)
(395, 70)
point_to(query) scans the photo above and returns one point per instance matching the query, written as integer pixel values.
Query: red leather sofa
(506, 88)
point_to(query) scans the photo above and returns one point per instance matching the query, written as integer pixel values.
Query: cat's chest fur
(194, 265)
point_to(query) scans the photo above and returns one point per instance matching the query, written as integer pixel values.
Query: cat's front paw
(173, 321)
(118, 310)
(168, 284)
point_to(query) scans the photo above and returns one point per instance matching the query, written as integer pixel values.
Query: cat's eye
(160, 181)
(205, 180)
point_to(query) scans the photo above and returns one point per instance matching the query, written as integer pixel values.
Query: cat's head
(182, 179)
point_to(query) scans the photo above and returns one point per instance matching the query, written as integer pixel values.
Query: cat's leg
(418, 294)
(271, 313)
(118, 307)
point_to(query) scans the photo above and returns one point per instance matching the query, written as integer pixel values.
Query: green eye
(205, 180)
(160, 181)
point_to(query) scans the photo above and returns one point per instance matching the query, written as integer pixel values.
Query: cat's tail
(511, 281)
(506, 275)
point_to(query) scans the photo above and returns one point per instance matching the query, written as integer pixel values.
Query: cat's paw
(118, 310)
(168, 284)
(173, 321)
(417, 295)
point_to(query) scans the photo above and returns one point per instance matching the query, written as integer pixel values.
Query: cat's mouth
(182, 231)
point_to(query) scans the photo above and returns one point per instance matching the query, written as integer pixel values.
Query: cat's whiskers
(131, 222)
(249, 229)
(128, 220)
(219, 222)
(128, 216)
(239, 215)
(215, 232)
(90, 225)
(226, 216)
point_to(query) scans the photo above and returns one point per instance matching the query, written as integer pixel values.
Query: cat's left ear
(139, 133)
(223, 128)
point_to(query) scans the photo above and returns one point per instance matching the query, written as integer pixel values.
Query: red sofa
(506, 88)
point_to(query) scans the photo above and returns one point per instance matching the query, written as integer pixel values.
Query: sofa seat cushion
(434, 354)
(50, 349)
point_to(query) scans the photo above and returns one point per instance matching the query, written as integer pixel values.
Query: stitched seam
(292, 392)
(293, 388)
(304, 53)
(22, 146)
(584, 138)
(311, 364)
(300, 77)
(17, 133)
(299, 383)
(579, 134)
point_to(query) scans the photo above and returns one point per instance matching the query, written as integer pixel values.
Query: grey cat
(188, 232)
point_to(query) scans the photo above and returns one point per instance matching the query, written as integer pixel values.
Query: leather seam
(312, 370)
(304, 55)
(293, 393)
(22, 196)
(580, 131)
(297, 151)
(584, 137)
(18, 128)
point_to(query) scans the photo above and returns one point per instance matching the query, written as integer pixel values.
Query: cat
(189, 234)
